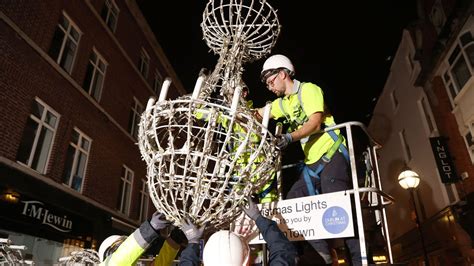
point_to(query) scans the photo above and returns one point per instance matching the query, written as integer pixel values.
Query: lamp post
(410, 180)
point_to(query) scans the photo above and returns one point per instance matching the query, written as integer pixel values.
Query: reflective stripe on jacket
(306, 99)
(133, 247)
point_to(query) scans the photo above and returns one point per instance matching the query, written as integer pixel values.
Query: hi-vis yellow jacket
(135, 245)
(306, 99)
(268, 192)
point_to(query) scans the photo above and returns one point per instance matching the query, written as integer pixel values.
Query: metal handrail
(353, 123)
(384, 195)
(376, 182)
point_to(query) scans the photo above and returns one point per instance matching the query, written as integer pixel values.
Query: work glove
(252, 210)
(192, 232)
(283, 140)
(158, 221)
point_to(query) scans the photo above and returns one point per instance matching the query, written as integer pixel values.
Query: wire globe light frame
(253, 24)
(81, 257)
(206, 152)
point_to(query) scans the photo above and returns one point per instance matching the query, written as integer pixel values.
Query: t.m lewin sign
(37, 210)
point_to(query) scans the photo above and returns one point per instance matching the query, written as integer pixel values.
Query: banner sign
(322, 216)
(443, 160)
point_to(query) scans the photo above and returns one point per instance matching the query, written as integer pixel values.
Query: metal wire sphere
(251, 24)
(81, 257)
(203, 159)
(205, 155)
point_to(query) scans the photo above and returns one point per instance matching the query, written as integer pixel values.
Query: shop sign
(443, 160)
(40, 212)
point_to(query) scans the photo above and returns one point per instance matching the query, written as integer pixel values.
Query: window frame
(144, 202)
(95, 65)
(77, 150)
(157, 82)
(437, 16)
(448, 77)
(110, 5)
(144, 63)
(67, 35)
(46, 109)
(427, 116)
(135, 114)
(465, 134)
(126, 200)
(449, 85)
(471, 127)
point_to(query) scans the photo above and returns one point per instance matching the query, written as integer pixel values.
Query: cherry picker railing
(376, 198)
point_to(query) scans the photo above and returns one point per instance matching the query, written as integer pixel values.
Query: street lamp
(410, 180)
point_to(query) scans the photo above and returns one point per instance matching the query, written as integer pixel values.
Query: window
(393, 97)
(64, 45)
(95, 74)
(405, 146)
(157, 82)
(144, 63)
(437, 16)
(470, 144)
(450, 87)
(144, 200)
(426, 116)
(76, 160)
(451, 192)
(37, 140)
(110, 14)
(125, 195)
(461, 64)
(471, 127)
(135, 114)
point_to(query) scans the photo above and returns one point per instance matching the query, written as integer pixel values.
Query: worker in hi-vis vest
(268, 192)
(123, 250)
(301, 106)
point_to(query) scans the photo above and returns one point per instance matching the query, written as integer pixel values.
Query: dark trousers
(334, 177)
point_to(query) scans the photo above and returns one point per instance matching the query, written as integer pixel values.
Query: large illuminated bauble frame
(206, 152)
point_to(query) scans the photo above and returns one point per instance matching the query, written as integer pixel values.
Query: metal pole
(358, 207)
(384, 213)
(265, 255)
(278, 130)
(420, 230)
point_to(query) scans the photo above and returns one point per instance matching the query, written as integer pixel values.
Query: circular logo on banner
(335, 220)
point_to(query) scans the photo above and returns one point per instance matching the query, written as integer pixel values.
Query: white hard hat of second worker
(276, 62)
(109, 245)
(225, 248)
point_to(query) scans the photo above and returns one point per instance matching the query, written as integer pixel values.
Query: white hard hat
(109, 245)
(225, 248)
(277, 61)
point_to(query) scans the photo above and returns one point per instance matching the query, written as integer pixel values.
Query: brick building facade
(75, 77)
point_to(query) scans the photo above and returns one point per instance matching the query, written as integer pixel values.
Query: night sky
(345, 48)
